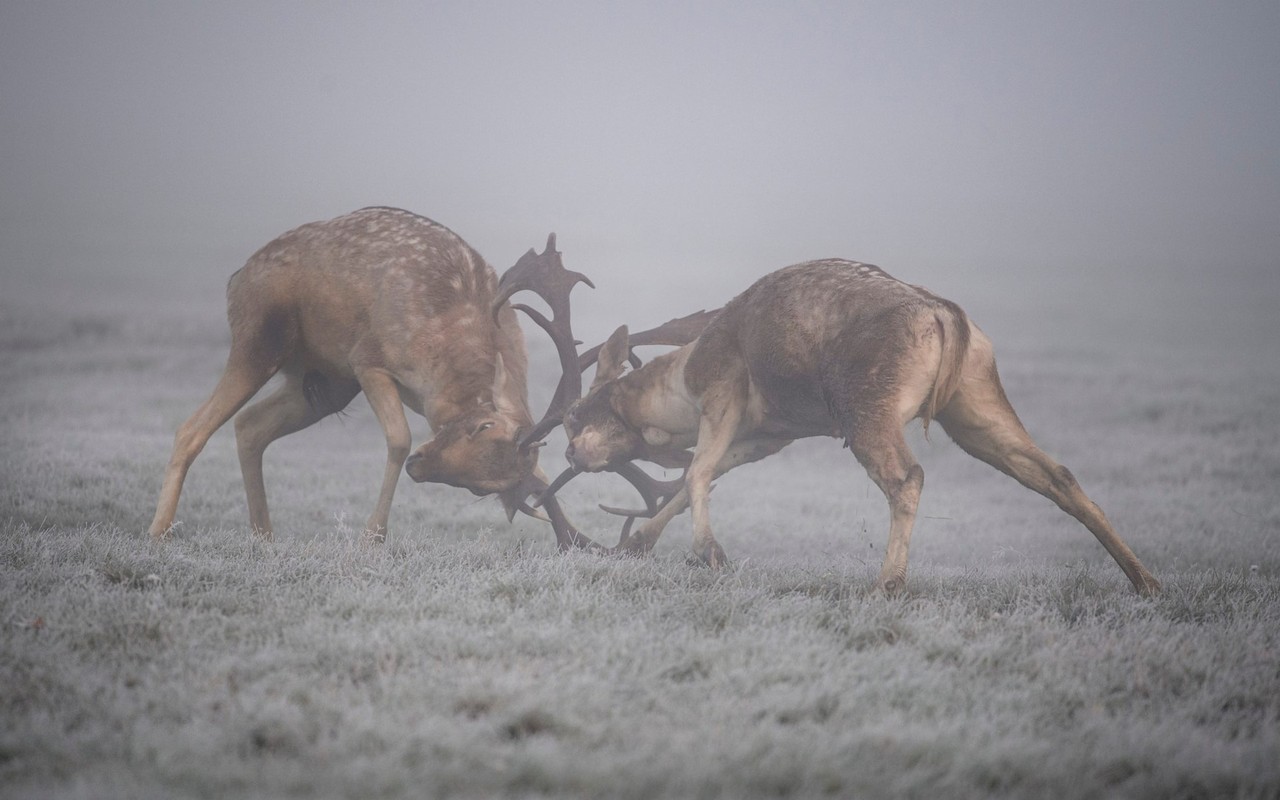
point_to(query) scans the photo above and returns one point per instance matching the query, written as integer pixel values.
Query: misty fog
(1097, 183)
(1065, 171)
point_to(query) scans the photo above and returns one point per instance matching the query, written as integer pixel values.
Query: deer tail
(953, 332)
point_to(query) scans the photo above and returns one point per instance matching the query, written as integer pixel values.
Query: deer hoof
(577, 541)
(892, 586)
(1150, 587)
(628, 547)
(712, 556)
(633, 544)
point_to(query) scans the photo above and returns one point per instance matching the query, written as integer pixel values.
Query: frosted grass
(467, 659)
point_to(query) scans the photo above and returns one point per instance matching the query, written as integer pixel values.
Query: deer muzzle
(586, 455)
(418, 467)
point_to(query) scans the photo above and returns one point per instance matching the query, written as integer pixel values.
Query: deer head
(493, 449)
(612, 444)
(482, 450)
(599, 438)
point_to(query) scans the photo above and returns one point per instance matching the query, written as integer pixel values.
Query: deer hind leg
(981, 420)
(286, 411)
(882, 450)
(241, 379)
(384, 397)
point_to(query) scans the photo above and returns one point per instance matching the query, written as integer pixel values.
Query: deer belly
(787, 406)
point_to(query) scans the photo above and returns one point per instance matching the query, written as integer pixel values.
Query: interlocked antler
(655, 493)
(545, 275)
(567, 536)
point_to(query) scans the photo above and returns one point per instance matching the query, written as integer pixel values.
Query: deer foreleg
(721, 413)
(642, 540)
(380, 388)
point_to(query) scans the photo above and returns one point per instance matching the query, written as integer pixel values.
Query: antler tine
(567, 536)
(569, 388)
(544, 275)
(548, 492)
(668, 458)
(656, 493)
(676, 333)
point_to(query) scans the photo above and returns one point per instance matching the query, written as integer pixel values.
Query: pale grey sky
(1105, 152)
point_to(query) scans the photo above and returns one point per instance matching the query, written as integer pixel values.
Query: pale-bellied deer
(824, 348)
(397, 306)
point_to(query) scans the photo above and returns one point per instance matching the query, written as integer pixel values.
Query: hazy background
(1067, 171)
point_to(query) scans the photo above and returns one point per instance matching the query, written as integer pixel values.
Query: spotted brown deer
(392, 304)
(825, 348)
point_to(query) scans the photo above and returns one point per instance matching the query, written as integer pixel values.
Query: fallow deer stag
(397, 306)
(825, 348)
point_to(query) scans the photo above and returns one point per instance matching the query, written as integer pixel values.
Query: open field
(467, 659)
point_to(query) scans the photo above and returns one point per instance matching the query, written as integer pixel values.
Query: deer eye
(481, 428)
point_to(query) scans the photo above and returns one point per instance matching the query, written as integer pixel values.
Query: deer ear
(501, 388)
(612, 357)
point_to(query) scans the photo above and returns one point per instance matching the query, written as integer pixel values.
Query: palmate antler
(544, 275)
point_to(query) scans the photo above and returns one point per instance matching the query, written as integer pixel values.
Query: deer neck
(655, 400)
(471, 383)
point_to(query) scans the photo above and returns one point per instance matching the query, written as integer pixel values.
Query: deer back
(821, 338)
(383, 287)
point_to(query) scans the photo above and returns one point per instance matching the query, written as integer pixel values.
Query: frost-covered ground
(467, 659)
